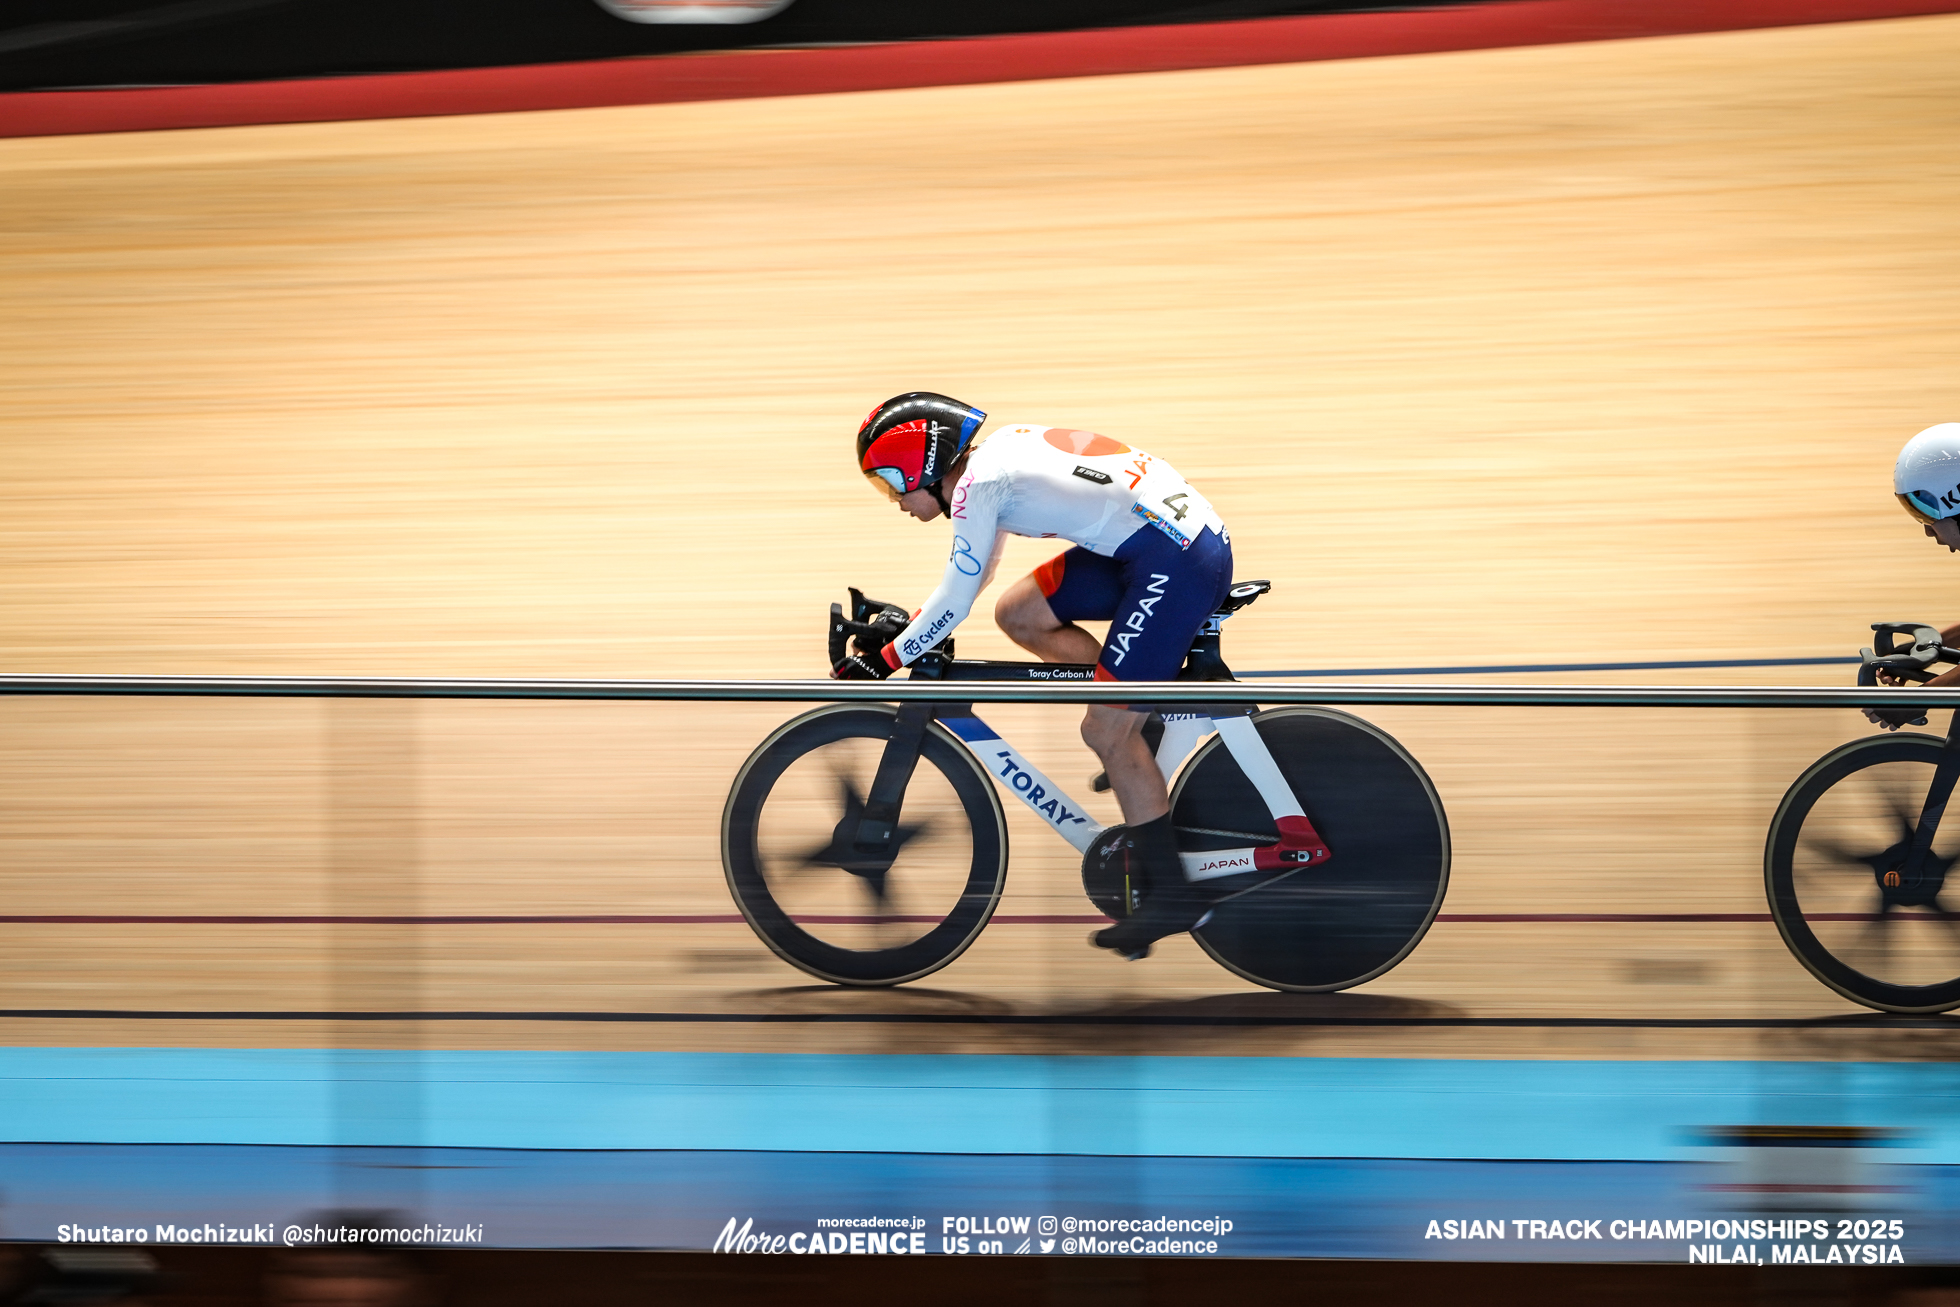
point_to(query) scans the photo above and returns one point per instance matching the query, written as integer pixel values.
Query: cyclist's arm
(1951, 676)
(993, 559)
(976, 548)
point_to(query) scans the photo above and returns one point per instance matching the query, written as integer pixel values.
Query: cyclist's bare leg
(1114, 733)
(1171, 903)
(1023, 613)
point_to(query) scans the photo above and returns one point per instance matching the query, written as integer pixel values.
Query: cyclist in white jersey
(1151, 558)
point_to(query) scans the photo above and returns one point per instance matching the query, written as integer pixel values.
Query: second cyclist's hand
(1891, 719)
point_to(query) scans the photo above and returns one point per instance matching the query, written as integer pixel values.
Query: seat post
(1205, 662)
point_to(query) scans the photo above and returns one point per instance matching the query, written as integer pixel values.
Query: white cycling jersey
(1050, 482)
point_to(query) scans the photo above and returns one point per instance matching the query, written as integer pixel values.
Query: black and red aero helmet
(911, 440)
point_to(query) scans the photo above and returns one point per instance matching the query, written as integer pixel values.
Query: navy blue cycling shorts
(1153, 594)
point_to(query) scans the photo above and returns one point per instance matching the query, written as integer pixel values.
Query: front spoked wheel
(1842, 830)
(786, 847)
(1325, 927)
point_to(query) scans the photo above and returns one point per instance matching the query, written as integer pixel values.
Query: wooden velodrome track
(1578, 353)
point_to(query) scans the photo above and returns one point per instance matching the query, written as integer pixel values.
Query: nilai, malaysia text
(1814, 1241)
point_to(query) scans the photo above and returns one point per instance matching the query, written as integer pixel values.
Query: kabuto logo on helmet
(911, 441)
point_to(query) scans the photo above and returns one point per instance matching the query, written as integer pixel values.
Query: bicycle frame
(1912, 879)
(1183, 732)
(1295, 843)
(1914, 663)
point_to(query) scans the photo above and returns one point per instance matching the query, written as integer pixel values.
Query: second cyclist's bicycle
(866, 843)
(1859, 852)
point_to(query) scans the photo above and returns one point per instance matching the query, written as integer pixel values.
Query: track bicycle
(1857, 857)
(866, 843)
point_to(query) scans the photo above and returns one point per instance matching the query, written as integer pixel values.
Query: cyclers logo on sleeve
(1118, 645)
(924, 640)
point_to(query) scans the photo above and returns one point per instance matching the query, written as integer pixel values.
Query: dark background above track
(71, 43)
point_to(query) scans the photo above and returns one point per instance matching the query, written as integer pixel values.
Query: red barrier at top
(749, 74)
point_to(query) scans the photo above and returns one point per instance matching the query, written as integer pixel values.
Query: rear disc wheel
(1337, 925)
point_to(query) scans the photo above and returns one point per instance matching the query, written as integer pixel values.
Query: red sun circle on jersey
(1085, 443)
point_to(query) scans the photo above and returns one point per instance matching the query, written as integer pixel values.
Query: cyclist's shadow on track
(1872, 1036)
(1260, 1022)
(1238, 1008)
(1267, 1007)
(940, 1020)
(899, 1002)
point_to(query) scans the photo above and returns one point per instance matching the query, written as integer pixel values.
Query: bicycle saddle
(1243, 593)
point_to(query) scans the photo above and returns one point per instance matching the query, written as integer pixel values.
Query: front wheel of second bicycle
(1844, 825)
(1326, 927)
(823, 910)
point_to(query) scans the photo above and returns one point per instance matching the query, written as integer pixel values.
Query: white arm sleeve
(993, 560)
(976, 548)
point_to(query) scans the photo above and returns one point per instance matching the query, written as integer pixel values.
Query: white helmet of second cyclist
(1927, 476)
